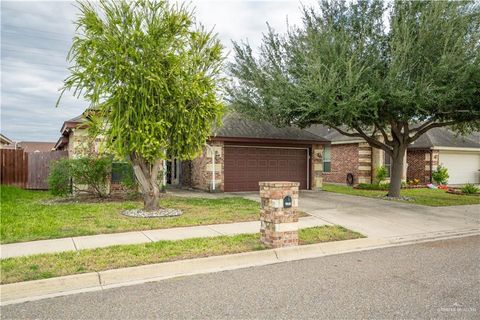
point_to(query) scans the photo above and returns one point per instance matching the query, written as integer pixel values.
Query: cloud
(36, 36)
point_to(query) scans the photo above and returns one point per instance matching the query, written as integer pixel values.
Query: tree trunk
(396, 170)
(147, 177)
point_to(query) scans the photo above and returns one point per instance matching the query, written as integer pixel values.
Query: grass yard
(66, 263)
(423, 196)
(24, 216)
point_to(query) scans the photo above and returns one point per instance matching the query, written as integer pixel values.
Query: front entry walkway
(104, 240)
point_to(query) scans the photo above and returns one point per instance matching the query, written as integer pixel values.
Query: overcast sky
(36, 36)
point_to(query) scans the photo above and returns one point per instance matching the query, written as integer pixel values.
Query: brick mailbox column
(278, 214)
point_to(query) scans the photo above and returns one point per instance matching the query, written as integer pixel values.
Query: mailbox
(287, 202)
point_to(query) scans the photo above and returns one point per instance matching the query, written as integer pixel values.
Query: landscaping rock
(401, 198)
(163, 212)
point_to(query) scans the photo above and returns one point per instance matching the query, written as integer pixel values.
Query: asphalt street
(438, 279)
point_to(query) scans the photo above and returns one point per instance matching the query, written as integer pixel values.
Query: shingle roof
(330, 134)
(79, 118)
(443, 137)
(437, 137)
(36, 146)
(237, 126)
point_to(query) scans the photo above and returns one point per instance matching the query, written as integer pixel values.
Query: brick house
(349, 155)
(243, 152)
(235, 158)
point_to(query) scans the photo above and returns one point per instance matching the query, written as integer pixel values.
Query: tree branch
(395, 132)
(370, 140)
(428, 127)
(374, 142)
(426, 123)
(384, 134)
(348, 134)
(406, 132)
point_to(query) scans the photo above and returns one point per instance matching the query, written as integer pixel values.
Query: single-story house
(439, 146)
(27, 146)
(236, 157)
(243, 152)
(5, 141)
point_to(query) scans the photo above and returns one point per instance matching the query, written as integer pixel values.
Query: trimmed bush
(440, 176)
(60, 178)
(380, 175)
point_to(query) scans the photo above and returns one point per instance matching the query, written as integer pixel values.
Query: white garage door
(463, 167)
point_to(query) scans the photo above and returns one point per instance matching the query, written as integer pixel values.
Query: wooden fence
(39, 168)
(14, 167)
(27, 170)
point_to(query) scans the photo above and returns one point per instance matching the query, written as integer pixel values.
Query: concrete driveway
(387, 219)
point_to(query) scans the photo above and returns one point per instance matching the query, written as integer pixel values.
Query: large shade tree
(386, 74)
(151, 75)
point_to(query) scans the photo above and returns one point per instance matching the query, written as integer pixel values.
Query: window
(387, 163)
(122, 171)
(326, 159)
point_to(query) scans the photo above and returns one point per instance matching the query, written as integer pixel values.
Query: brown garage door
(244, 167)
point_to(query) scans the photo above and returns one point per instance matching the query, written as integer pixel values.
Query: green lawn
(25, 217)
(423, 196)
(66, 263)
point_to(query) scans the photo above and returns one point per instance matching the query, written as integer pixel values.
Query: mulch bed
(459, 192)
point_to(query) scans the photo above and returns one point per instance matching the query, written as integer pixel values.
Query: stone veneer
(203, 170)
(279, 225)
(364, 163)
(316, 174)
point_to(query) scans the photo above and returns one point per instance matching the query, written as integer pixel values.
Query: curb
(95, 281)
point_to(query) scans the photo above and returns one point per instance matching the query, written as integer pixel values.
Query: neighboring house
(36, 146)
(5, 141)
(239, 155)
(460, 155)
(27, 146)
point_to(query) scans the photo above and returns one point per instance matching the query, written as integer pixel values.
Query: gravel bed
(402, 198)
(163, 212)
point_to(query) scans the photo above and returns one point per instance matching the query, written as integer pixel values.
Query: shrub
(92, 172)
(380, 174)
(470, 188)
(440, 176)
(59, 178)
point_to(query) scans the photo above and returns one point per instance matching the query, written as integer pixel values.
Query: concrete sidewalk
(135, 237)
(97, 281)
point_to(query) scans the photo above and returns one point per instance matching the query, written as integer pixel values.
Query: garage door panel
(463, 167)
(245, 167)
